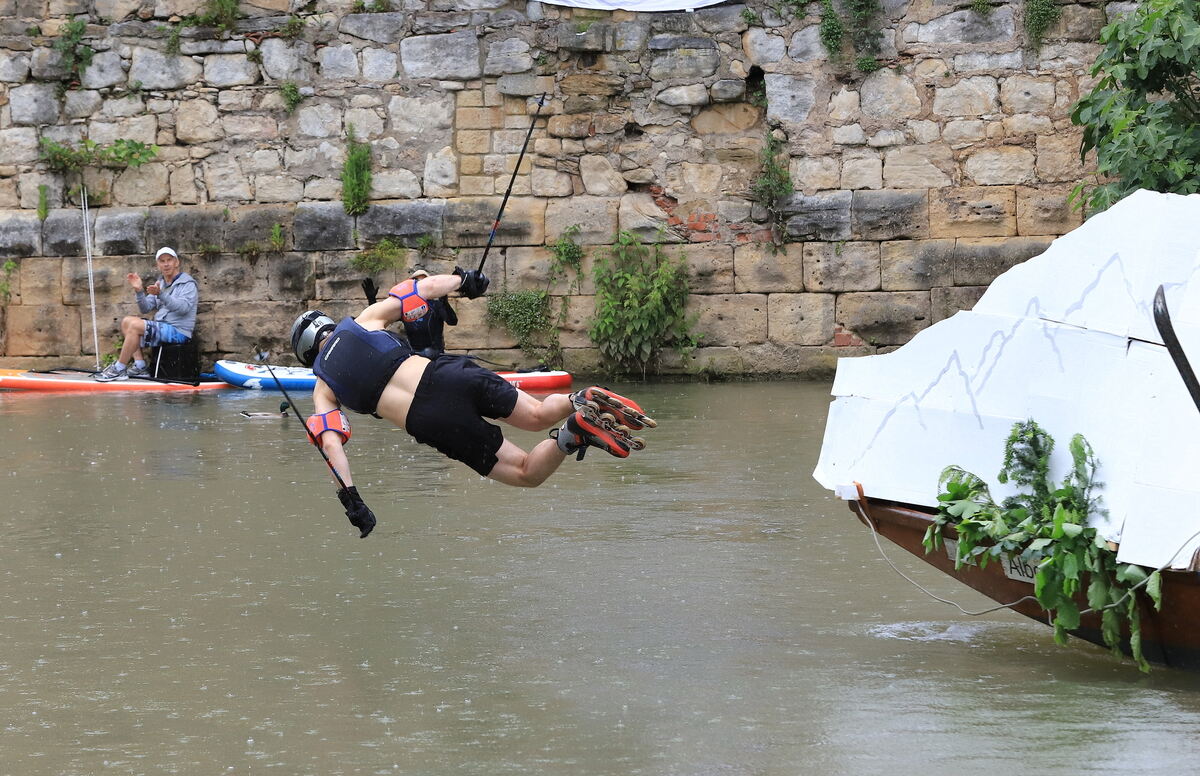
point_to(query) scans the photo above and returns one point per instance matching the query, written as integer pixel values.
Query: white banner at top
(637, 5)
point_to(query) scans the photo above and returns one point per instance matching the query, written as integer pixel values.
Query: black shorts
(449, 406)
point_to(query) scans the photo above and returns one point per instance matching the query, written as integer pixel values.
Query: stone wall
(915, 185)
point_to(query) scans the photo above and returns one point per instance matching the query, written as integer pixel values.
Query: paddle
(1162, 320)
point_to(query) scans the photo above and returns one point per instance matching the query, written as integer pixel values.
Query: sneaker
(137, 371)
(110, 373)
(625, 410)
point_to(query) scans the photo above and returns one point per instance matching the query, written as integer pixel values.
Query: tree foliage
(1143, 116)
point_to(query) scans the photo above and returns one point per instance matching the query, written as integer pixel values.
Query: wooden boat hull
(1170, 637)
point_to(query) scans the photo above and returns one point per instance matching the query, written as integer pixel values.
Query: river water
(181, 594)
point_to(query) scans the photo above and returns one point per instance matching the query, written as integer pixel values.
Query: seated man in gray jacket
(175, 297)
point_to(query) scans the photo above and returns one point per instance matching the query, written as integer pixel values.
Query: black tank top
(357, 364)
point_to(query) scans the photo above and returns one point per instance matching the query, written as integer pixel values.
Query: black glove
(361, 516)
(474, 282)
(370, 290)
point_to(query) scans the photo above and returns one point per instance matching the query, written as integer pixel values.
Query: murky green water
(181, 594)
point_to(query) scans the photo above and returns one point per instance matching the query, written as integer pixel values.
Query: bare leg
(531, 414)
(526, 470)
(133, 328)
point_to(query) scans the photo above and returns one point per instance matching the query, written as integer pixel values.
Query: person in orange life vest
(425, 333)
(362, 366)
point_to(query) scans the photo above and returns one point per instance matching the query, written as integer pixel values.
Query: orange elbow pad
(413, 306)
(319, 424)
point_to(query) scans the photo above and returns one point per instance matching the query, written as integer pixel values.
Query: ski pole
(511, 181)
(307, 431)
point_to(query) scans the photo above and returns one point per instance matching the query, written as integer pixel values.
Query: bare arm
(388, 310)
(331, 443)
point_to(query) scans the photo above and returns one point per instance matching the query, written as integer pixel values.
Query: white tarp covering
(1068, 339)
(635, 5)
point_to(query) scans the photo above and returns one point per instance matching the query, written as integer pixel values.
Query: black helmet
(307, 332)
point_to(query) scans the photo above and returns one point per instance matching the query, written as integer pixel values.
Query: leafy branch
(1047, 525)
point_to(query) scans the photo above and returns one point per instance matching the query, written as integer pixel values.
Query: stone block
(378, 27)
(578, 125)
(20, 234)
(804, 361)
(979, 211)
(811, 174)
(1058, 157)
(729, 319)
(338, 62)
(945, 302)
(379, 66)
(819, 216)
(236, 329)
(148, 184)
(1001, 165)
(600, 178)
(14, 66)
(39, 281)
(253, 224)
(33, 104)
(468, 220)
(890, 215)
(972, 96)
(966, 27)
(224, 178)
(105, 71)
(850, 266)
(548, 182)
(452, 57)
(231, 277)
(39, 330)
(710, 267)
(108, 280)
(800, 319)
(685, 63)
(510, 55)
(157, 70)
(322, 226)
(979, 261)
(1045, 211)
(527, 268)
(474, 331)
(405, 222)
(290, 276)
(885, 94)
(143, 129)
(62, 233)
(225, 70)
(18, 145)
(1026, 94)
(395, 184)
(641, 215)
(421, 115)
(596, 217)
(287, 60)
(861, 170)
(760, 269)
(918, 167)
(790, 98)
(916, 265)
(884, 317)
(120, 232)
(186, 229)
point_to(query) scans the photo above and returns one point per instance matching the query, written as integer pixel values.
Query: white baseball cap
(419, 273)
(167, 251)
